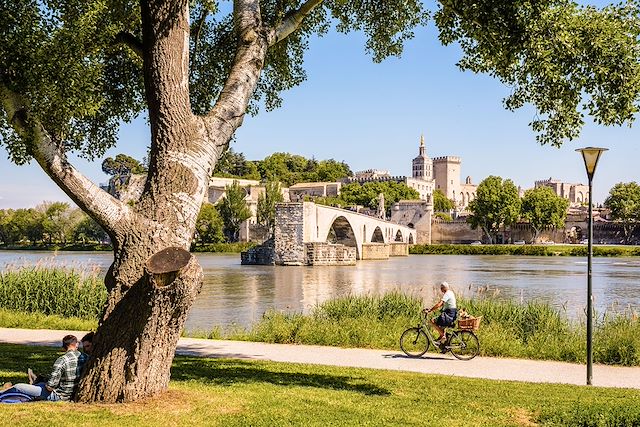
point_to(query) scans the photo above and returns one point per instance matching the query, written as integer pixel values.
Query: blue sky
(371, 116)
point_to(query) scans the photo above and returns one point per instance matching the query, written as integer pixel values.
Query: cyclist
(448, 314)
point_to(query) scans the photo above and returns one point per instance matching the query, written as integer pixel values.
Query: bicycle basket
(470, 323)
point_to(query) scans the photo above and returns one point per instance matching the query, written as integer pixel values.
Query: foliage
(532, 330)
(443, 216)
(233, 210)
(563, 58)
(440, 202)
(209, 225)
(224, 247)
(542, 207)
(497, 203)
(624, 203)
(234, 165)
(367, 193)
(290, 169)
(55, 223)
(266, 209)
(53, 291)
(122, 165)
(533, 250)
(241, 392)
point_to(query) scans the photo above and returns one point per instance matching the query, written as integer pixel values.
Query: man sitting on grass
(64, 375)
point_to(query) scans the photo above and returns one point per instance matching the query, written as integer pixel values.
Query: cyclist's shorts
(447, 317)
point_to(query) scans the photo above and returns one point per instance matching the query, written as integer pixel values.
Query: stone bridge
(310, 234)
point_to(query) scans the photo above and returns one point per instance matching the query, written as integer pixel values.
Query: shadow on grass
(14, 360)
(228, 372)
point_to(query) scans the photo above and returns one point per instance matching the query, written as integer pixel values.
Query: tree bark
(134, 346)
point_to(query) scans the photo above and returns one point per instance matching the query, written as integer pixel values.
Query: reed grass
(53, 291)
(532, 330)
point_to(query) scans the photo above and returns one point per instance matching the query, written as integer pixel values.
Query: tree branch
(196, 36)
(247, 65)
(292, 21)
(109, 212)
(128, 39)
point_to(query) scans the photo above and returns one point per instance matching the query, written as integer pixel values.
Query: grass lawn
(207, 392)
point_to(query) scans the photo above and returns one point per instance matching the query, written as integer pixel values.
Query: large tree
(72, 70)
(542, 207)
(497, 204)
(624, 203)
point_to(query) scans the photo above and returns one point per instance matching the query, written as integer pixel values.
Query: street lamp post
(590, 155)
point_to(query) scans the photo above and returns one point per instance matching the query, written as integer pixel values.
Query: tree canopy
(440, 201)
(624, 203)
(497, 204)
(542, 207)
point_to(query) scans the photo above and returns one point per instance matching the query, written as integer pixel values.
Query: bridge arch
(340, 231)
(399, 237)
(377, 236)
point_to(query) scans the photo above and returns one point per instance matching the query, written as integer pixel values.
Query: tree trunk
(135, 344)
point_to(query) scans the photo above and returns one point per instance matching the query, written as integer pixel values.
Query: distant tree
(55, 222)
(209, 225)
(266, 209)
(233, 210)
(88, 230)
(440, 202)
(497, 204)
(542, 207)
(122, 165)
(234, 165)
(444, 216)
(330, 171)
(624, 203)
(283, 167)
(27, 224)
(368, 193)
(6, 236)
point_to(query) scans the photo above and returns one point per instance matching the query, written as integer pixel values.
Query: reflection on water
(235, 294)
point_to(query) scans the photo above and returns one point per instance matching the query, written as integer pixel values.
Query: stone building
(576, 194)
(297, 192)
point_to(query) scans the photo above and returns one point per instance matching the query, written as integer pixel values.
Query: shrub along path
(432, 363)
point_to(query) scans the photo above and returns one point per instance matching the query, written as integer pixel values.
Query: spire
(422, 150)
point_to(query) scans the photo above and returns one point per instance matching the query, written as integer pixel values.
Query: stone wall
(289, 235)
(453, 232)
(398, 249)
(320, 253)
(259, 255)
(375, 251)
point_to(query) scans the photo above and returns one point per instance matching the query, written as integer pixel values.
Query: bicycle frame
(427, 327)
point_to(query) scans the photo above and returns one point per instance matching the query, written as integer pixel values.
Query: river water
(236, 294)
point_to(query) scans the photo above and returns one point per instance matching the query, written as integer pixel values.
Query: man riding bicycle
(448, 314)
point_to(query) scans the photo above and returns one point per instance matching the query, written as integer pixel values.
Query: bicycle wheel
(464, 345)
(414, 342)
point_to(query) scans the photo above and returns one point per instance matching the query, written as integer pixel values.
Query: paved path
(480, 367)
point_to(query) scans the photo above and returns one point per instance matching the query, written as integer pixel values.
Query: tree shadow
(228, 372)
(14, 360)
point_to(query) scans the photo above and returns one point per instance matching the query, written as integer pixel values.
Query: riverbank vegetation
(40, 297)
(215, 392)
(531, 250)
(532, 330)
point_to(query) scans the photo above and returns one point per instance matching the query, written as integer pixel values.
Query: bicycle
(462, 343)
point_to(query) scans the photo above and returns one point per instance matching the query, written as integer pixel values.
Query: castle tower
(422, 166)
(447, 176)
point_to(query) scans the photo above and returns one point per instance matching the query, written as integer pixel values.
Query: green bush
(53, 291)
(532, 250)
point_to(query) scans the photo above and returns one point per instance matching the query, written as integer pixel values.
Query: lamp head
(591, 155)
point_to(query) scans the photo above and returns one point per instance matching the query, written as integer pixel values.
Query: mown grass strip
(207, 392)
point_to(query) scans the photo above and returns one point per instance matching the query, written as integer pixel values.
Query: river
(235, 294)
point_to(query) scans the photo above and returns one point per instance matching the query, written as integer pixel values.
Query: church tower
(422, 165)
